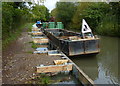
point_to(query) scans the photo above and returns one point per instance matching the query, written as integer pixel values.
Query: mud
(19, 63)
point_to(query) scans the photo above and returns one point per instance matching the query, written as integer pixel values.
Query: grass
(29, 52)
(45, 80)
(41, 79)
(33, 44)
(15, 35)
(30, 27)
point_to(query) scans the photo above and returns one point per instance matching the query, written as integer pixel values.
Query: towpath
(19, 63)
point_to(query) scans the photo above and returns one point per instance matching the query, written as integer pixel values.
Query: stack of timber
(66, 65)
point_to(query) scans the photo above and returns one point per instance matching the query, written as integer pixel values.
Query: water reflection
(63, 79)
(103, 68)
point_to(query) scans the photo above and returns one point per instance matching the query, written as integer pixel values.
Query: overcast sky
(50, 4)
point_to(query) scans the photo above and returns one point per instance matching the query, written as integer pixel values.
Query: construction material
(37, 33)
(35, 29)
(40, 40)
(54, 53)
(41, 50)
(54, 68)
(58, 62)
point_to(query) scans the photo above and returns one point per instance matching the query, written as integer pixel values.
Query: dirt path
(18, 63)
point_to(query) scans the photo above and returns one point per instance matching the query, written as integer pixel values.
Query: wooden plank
(42, 40)
(56, 54)
(35, 29)
(81, 75)
(54, 68)
(58, 62)
(37, 33)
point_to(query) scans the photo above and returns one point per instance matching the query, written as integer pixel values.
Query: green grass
(34, 45)
(43, 79)
(30, 27)
(15, 35)
(29, 52)
(31, 42)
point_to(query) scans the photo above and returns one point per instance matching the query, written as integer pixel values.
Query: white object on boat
(86, 29)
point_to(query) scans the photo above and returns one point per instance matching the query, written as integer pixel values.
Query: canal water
(63, 79)
(102, 68)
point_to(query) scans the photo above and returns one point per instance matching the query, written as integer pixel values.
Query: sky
(50, 4)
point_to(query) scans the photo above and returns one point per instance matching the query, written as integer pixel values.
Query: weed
(34, 45)
(46, 80)
(29, 52)
(30, 27)
(31, 42)
(42, 79)
(14, 35)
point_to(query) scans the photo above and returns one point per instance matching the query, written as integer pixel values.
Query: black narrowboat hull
(75, 47)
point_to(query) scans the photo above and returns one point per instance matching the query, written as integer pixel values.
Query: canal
(103, 67)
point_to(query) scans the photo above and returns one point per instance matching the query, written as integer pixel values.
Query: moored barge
(74, 43)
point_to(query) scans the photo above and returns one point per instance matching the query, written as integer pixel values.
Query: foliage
(45, 80)
(65, 11)
(17, 14)
(42, 79)
(102, 17)
(34, 45)
(96, 12)
(12, 18)
(108, 26)
(78, 16)
(14, 35)
(54, 12)
(40, 12)
(30, 27)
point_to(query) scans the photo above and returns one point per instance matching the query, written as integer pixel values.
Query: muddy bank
(18, 61)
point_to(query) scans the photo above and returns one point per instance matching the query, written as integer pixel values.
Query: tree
(40, 12)
(65, 11)
(79, 15)
(95, 13)
(54, 12)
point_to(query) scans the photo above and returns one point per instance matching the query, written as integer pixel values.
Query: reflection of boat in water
(73, 43)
